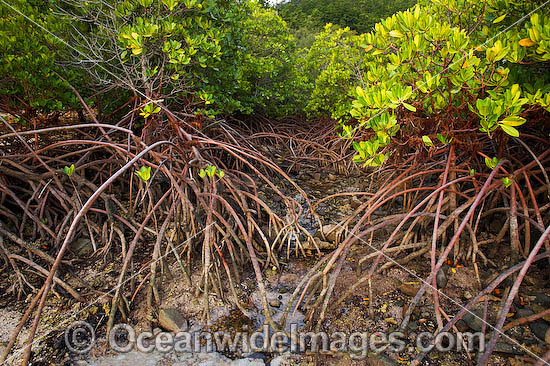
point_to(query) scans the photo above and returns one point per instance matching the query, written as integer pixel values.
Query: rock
(82, 246)
(171, 320)
(324, 244)
(283, 289)
(474, 319)
(441, 277)
(507, 348)
(381, 360)
(316, 176)
(355, 202)
(462, 326)
(330, 231)
(538, 327)
(409, 289)
(539, 309)
(542, 299)
(413, 326)
(275, 303)
(282, 360)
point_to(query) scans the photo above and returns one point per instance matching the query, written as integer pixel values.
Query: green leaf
(499, 19)
(427, 141)
(491, 163)
(69, 170)
(202, 173)
(409, 107)
(396, 34)
(510, 130)
(472, 172)
(144, 173)
(513, 121)
(507, 182)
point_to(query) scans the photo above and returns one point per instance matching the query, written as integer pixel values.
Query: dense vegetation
(308, 17)
(437, 99)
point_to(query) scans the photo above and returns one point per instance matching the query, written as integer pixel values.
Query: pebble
(282, 360)
(474, 319)
(355, 203)
(330, 231)
(381, 360)
(441, 277)
(537, 308)
(81, 246)
(542, 299)
(538, 327)
(283, 290)
(171, 320)
(409, 289)
(507, 348)
(275, 303)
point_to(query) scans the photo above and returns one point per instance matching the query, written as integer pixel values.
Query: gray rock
(542, 299)
(246, 362)
(282, 360)
(507, 348)
(82, 246)
(474, 319)
(171, 320)
(441, 277)
(538, 327)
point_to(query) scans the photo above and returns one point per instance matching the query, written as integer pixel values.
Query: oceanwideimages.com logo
(80, 338)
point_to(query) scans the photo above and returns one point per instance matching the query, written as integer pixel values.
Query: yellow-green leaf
(409, 107)
(510, 130)
(427, 141)
(396, 34)
(499, 19)
(144, 173)
(513, 121)
(526, 42)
